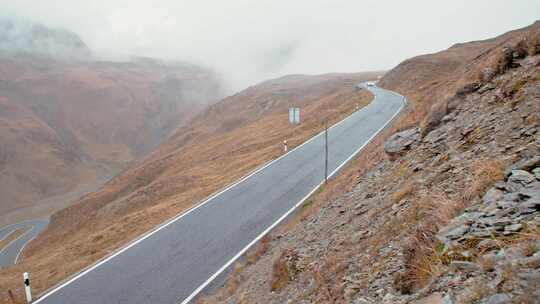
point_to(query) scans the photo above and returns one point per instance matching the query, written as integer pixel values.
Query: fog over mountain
(251, 41)
(23, 36)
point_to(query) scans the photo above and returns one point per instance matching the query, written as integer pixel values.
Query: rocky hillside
(430, 80)
(69, 125)
(219, 145)
(450, 215)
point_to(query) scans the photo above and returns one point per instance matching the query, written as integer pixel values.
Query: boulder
(488, 74)
(513, 228)
(525, 164)
(401, 141)
(456, 232)
(468, 88)
(492, 195)
(464, 266)
(434, 117)
(436, 135)
(521, 177)
(498, 298)
(486, 87)
(435, 298)
(536, 173)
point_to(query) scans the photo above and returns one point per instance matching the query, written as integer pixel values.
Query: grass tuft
(485, 174)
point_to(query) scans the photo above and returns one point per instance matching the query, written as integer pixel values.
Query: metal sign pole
(325, 151)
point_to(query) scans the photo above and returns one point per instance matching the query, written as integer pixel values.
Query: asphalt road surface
(10, 253)
(173, 263)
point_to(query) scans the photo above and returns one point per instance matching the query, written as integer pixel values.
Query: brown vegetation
(485, 173)
(67, 127)
(220, 145)
(423, 253)
(364, 229)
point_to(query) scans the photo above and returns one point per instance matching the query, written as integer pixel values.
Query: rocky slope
(67, 125)
(451, 215)
(219, 145)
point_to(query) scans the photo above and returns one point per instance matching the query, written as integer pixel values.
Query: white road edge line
(21, 224)
(24, 245)
(246, 248)
(13, 241)
(61, 285)
(32, 227)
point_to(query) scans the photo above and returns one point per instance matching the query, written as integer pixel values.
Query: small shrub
(434, 118)
(503, 60)
(402, 192)
(530, 248)
(485, 174)
(533, 44)
(424, 255)
(283, 270)
(532, 119)
(516, 87)
(521, 49)
(474, 293)
(262, 248)
(233, 282)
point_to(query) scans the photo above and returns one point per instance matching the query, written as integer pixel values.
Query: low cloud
(249, 41)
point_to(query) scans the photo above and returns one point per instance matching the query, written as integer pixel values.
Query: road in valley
(10, 253)
(176, 261)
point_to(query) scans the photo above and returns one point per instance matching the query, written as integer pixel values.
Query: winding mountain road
(175, 262)
(10, 253)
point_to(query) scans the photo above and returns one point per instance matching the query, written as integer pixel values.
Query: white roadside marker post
(285, 145)
(27, 287)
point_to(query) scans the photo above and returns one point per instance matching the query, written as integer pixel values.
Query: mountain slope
(67, 126)
(449, 217)
(24, 37)
(219, 145)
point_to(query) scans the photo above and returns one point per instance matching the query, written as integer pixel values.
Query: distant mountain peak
(24, 37)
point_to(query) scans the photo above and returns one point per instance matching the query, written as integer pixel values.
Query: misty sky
(249, 41)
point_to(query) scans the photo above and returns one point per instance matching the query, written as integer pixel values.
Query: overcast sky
(252, 40)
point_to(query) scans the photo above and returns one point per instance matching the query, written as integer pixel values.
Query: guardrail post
(27, 287)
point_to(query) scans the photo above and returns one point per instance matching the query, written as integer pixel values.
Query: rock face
(401, 141)
(445, 223)
(500, 213)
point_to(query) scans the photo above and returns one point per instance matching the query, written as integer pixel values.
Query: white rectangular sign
(294, 115)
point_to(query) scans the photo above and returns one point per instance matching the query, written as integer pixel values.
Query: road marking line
(14, 240)
(246, 248)
(83, 272)
(25, 243)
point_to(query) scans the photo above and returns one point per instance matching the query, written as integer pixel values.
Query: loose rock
(401, 141)
(498, 298)
(521, 176)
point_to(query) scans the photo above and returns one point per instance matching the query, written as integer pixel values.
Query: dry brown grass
(189, 167)
(424, 80)
(474, 292)
(532, 119)
(402, 192)
(423, 254)
(283, 270)
(484, 174)
(261, 248)
(231, 285)
(533, 43)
